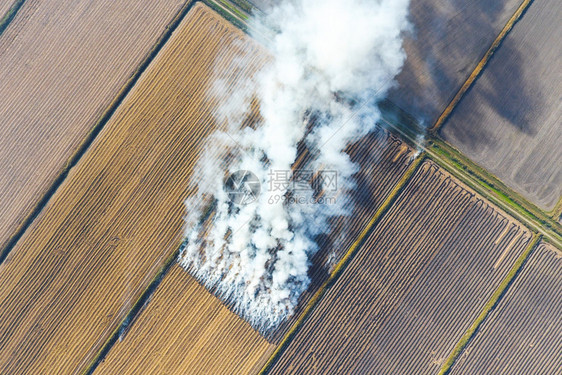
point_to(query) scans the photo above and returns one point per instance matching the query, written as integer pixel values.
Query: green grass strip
(234, 9)
(489, 307)
(494, 189)
(230, 13)
(10, 15)
(342, 263)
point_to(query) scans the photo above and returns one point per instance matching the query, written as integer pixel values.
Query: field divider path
(490, 305)
(230, 12)
(481, 65)
(91, 136)
(343, 262)
(121, 330)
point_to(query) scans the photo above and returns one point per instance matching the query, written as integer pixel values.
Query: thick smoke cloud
(331, 61)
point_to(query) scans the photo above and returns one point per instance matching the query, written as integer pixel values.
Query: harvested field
(509, 122)
(107, 231)
(523, 334)
(448, 40)
(413, 288)
(185, 329)
(61, 66)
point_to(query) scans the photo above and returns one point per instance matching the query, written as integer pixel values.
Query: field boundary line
(121, 330)
(547, 228)
(481, 65)
(97, 128)
(388, 202)
(10, 15)
(490, 305)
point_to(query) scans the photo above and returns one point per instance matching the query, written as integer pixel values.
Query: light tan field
(409, 294)
(186, 330)
(62, 64)
(71, 279)
(523, 334)
(510, 121)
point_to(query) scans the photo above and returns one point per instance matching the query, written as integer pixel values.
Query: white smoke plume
(331, 61)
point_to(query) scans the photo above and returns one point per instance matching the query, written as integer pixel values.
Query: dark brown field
(415, 286)
(523, 335)
(383, 160)
(61, 66)
(509, 122)
(448, 40)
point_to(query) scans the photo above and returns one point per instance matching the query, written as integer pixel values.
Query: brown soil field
(448, 40)
(523, 335)
(509, 122)
(412, 290)
(186, 330)
(107, 231)
(61, 66)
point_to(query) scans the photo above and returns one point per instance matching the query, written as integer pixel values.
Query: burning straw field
(189, 342)
(383, 160)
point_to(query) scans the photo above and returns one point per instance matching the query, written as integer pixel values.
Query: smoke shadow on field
(446, 43)
(504, 91)
(378, 155)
